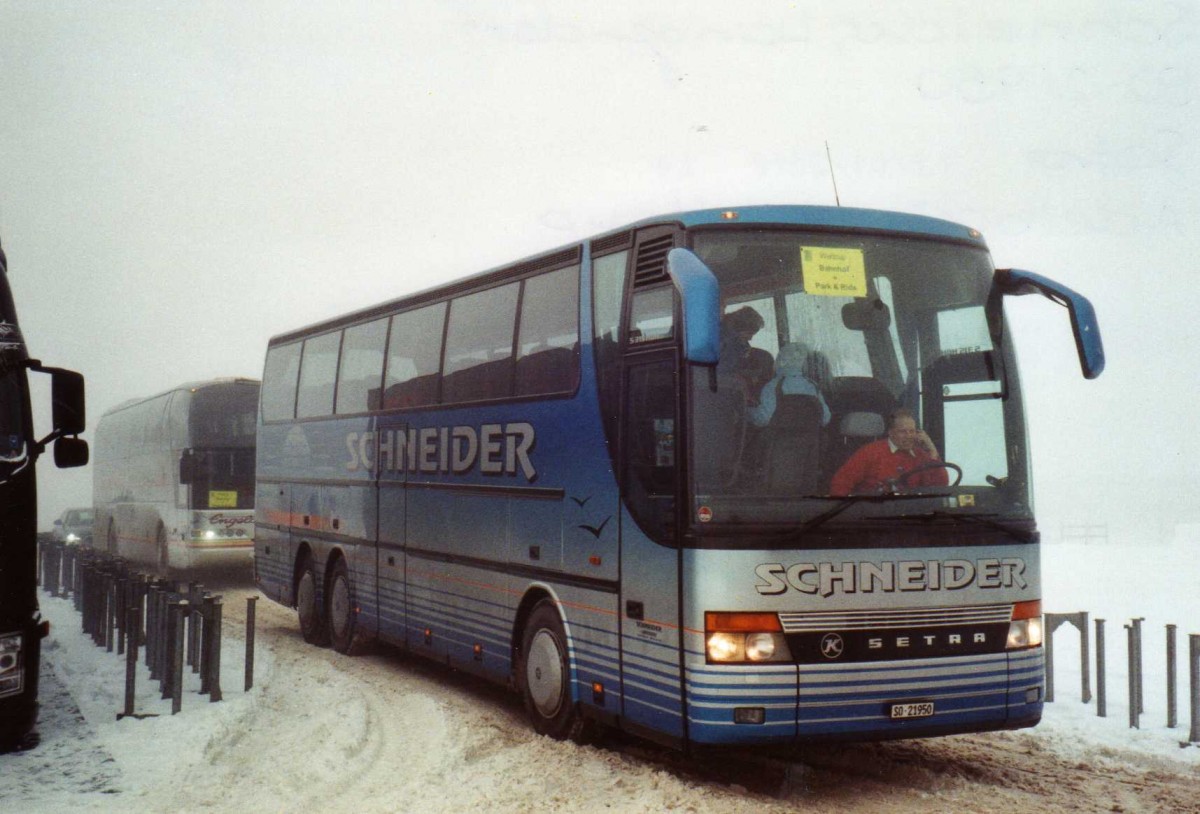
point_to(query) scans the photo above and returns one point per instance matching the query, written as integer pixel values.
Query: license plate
(922, 709)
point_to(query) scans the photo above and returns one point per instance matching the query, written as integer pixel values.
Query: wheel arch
(534, 594)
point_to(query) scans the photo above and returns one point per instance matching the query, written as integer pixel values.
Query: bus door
(391, 534)
(651, 636)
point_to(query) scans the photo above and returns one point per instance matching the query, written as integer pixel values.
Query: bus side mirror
(700, 297)
(1016, 282)
(187, 467)
(68, 453)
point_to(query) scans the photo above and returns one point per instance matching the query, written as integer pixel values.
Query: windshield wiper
(1024, 535)
(843, 504)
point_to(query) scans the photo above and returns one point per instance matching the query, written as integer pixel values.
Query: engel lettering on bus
(497, 449)
(828, 578)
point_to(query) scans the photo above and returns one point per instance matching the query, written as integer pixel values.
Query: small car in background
(74, 526)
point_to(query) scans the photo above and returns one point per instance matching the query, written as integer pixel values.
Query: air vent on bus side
(651, 265)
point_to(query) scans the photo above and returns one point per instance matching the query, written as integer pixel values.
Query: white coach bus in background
(173, 476)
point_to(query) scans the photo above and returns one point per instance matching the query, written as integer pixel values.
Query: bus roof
(185, 386)
(788, 215)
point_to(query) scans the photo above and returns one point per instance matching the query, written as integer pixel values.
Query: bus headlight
(744, 638)
(1025, 629)
(72, 538)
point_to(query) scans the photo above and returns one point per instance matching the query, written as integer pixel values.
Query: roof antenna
(831, 175)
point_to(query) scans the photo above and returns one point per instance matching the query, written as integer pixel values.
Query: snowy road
(322, 732)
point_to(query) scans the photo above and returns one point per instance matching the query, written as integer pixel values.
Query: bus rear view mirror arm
(1017, 282)
(700, 296)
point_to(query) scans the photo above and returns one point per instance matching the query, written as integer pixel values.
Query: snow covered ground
(384, 733)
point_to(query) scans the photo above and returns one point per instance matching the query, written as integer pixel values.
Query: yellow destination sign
(222, 500)
(832, 272)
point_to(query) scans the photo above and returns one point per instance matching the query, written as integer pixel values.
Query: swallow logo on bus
(832, 646)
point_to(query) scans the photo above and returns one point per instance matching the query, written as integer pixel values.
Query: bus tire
(308, 608)
(342, 612)
(544, 674)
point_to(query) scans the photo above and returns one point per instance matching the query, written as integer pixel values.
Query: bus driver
(882, 464)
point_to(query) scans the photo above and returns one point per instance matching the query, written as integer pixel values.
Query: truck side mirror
(68, 453)
(69, 412)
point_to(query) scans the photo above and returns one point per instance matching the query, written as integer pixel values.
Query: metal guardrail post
(1172, 710)
(1137, 643)
(110, 610)
(1079, 621)
(250, 606)
(1131, 646)
(172, 646)
(177, 623)
(131, 656)
(1101, 681)
(212, 640)
(1194, 670)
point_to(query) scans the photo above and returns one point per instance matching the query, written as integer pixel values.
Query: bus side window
(279, 382)
(361, 368)
(318, 372)
(548, 343)
(414, 358)
(479, 342)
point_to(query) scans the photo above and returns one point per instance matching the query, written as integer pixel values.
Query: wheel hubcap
(544, 673)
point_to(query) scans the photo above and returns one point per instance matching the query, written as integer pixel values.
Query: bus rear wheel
(545, 677)
(342, 621)
(312, 620)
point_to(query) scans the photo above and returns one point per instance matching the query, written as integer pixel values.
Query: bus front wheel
(545, 677)
(312, 620)
(344, 633)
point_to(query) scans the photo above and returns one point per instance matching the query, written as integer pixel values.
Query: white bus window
(318, 371)
(414, 357)
(361, 369)
(479, 344)
(548, 343)
(279, 382)
(963, 330)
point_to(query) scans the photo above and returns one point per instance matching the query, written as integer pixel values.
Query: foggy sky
(180, 182)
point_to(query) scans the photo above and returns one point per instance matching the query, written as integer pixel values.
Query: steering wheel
(904, 476)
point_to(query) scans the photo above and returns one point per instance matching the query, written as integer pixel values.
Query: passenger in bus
(737, 329)
(881, 465)
(790, 379)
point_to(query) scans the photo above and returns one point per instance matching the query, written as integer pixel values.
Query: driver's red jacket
(874, 464)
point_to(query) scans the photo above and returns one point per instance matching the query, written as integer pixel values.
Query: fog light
(749, 715)
(1033, 695)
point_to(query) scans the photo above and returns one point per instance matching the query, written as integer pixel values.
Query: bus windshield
(824, 337)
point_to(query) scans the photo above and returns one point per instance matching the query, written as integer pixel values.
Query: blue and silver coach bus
(563, 475)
